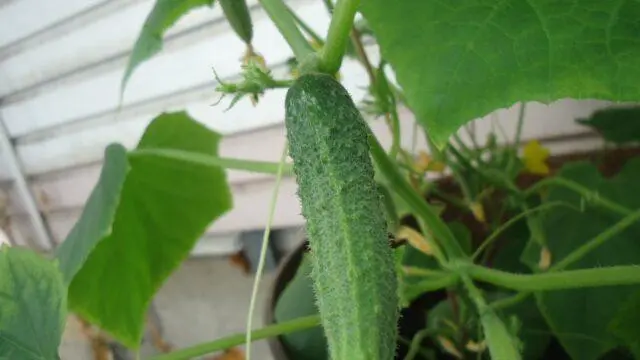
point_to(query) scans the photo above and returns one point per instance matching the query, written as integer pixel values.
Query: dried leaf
(476, 347)
(545, 258)
(415, 239)
(478, 211)
(449, 347)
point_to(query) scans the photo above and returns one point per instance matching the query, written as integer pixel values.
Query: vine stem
(494, 236)
(341, 23)
(576, 255)
(239, 339)
(597, 241)
(518, 136)
(582, 190)
(570, 279)
(263, 251)
(442, 235)
(280, 15)
(263, 167)
(499, 341)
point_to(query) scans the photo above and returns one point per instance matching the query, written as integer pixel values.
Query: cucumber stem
(338, 35)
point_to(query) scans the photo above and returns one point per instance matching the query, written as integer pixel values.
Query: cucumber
(352, 263)
(238, 16)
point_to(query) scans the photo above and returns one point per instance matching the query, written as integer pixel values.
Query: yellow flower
(535, 158)
(425, 163)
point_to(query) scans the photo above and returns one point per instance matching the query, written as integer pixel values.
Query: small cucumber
(352, 263)
(237, 13)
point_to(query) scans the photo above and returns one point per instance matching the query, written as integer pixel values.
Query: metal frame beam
(43, 237)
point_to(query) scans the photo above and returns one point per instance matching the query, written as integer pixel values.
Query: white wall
(61, 63)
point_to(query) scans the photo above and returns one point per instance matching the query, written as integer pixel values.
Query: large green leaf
(165, 206)
(164, 14)
(580, 318)
(617, 124)
(33, 304)
(626, 323)
(97, 217)
(460, 60)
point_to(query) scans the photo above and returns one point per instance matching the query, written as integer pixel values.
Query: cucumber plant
(569, 241)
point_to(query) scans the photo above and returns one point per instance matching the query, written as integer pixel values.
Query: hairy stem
(443, 238)
(339, 29)
(570, 279)
(589, 194)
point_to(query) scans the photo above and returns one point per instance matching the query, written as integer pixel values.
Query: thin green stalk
(452, 199)
(305, 27)
(510, 301)
(500, 342)
(427, 354)
(280, 15)
(457, 173)
(263, 167)
(395, 131)
(576, 255)
(414, 348)
(494, 236)
(443, 236)
(597, 241)
(471, 131)
(569, 279)
(329, 5)
(338, 35)
(517, 138)
(432, 283)
(263, 251)
(521, 113)
(283, 328)
(587, 193)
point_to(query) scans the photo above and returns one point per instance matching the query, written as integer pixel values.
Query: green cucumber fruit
(352, 263)
(238, 16)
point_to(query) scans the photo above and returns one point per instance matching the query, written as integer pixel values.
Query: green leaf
(33, 304)
(462, 235)
(98, 214)
(580, 318)
(164, 14)
(464, 59)
(298, 300)
(165, 206)
(510, 247)
(534, 332)
(618, 125)
(625, 324)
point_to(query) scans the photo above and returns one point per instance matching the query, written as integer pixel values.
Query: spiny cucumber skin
(353, 268)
